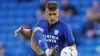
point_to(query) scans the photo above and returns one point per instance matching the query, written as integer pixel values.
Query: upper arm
(39, 24)
(69, 36)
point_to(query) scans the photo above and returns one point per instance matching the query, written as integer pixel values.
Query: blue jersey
(58, 34)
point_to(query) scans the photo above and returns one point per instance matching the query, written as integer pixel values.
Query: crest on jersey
(56, 32)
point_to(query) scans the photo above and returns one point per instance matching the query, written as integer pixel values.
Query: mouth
(51, 20)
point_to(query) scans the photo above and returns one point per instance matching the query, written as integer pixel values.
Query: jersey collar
(49, 27)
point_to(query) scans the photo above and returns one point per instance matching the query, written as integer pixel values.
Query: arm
(23, 31)
(29, 33)
(69, 37)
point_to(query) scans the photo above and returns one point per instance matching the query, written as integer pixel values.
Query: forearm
(26, 32)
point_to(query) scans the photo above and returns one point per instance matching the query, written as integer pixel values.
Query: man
(53, 30)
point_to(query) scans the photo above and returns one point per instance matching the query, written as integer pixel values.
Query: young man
(53, 30)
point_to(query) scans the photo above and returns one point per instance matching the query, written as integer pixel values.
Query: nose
(52, 16)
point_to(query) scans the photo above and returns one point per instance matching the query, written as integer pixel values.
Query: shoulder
(65, 25)
(42, 21)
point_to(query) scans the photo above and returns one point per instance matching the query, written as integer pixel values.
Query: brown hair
(52, 5)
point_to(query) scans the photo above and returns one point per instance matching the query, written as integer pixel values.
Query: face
(52, 16)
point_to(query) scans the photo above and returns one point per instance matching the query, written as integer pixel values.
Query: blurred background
(82, 15)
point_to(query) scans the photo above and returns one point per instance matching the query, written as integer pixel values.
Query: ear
(57, 11)
(45, 14)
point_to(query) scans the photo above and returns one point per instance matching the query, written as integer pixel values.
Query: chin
(51, 22)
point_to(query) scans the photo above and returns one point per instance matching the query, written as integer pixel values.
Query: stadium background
(14, 13)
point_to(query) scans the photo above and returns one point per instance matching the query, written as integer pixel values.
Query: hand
(55, 50)
(20, 29)
(38, 28)
(52, 51)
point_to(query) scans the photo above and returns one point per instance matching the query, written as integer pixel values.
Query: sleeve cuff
(70, 44)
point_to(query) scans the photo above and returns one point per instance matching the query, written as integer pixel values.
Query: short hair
(52, 5)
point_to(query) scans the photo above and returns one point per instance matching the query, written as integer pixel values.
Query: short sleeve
(69, 38)
(37, 25)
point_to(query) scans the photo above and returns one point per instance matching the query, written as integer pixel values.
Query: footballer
(49, 33)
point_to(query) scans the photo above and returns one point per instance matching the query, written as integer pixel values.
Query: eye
(54, 14)
(50, 14)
